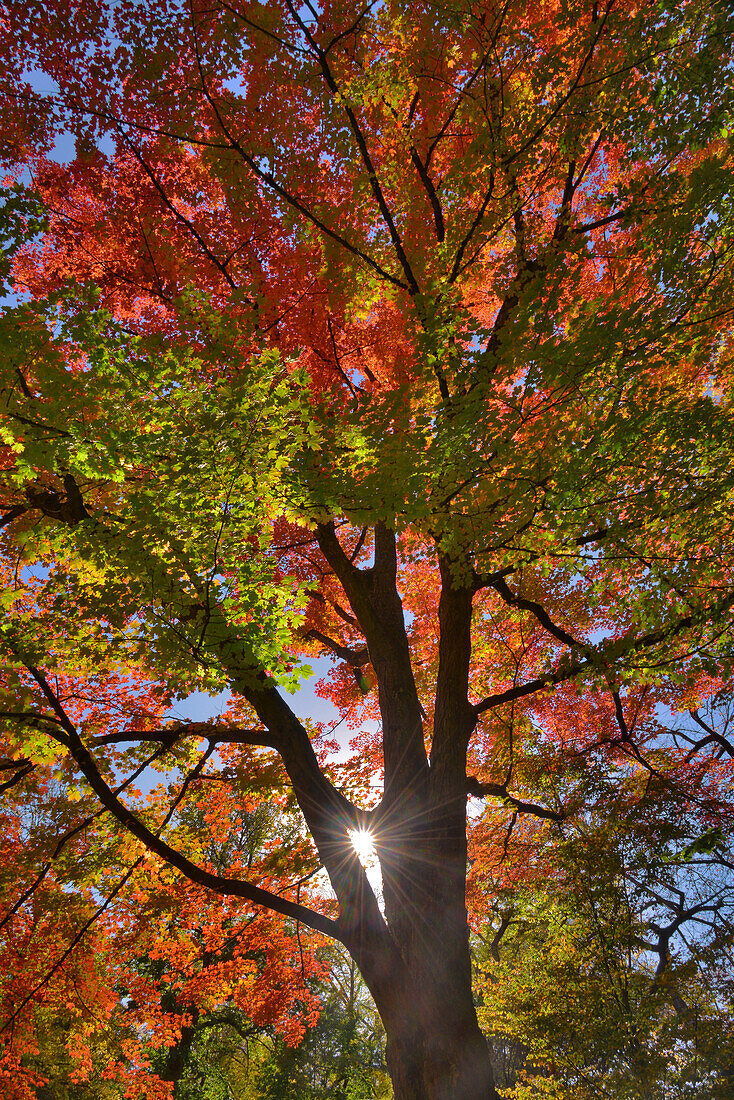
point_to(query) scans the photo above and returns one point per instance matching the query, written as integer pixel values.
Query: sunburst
(364, 845)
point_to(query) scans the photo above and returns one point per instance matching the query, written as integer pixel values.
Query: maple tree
(399, 333)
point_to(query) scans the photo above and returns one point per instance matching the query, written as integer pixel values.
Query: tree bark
(463, 1072)
(435, 1049)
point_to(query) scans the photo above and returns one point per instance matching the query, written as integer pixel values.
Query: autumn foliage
(398, 335)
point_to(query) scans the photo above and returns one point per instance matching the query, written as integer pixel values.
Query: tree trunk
(435, 1049)
(177, 1060)
(443, 1057)
(419, 1075)
(416, 962)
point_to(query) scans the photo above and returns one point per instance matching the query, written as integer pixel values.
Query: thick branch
(454, 718)
(375, 601)
(425, 178)
(217, 883)
(503, 589)
(475, 789)
(712, 738)
(215, 735)
(21, 769)
(15, 511)
(403, 823)
(356, 658)
(505, 922)
(320, 598)
(598, 656)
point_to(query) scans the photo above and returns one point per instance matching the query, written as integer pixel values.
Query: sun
(363, 843)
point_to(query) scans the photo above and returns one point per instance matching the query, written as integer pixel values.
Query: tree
(340, 1056)
(610, 976)
(400, 333)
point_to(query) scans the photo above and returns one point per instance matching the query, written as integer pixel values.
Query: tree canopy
(400, 334)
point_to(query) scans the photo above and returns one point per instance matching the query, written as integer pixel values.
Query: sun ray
(364, 845)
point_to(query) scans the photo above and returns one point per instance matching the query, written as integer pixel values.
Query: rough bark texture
(435, 1049)
(435, 1066)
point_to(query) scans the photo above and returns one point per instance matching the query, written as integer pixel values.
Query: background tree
(400, 333)
(608, 971)
(340, 1056)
